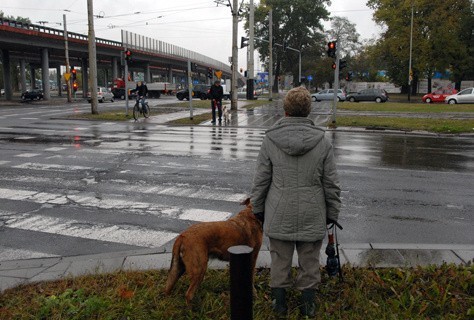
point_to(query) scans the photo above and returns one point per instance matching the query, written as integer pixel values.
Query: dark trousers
(216, 104)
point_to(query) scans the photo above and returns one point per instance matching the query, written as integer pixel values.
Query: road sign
(218, 74)
(67, 76)
(310, 77)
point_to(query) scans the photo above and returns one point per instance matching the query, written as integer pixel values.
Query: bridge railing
(129, 40)
(132, 41)
(57, 32)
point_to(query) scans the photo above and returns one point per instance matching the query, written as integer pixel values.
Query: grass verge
(408, 124)
(434, 292)
(405, 107)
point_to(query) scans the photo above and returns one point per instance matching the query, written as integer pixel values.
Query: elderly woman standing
(295, 192)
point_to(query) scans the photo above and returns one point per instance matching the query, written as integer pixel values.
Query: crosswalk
(135, 189)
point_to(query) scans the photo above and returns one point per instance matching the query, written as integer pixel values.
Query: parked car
(32, 95)
(199, 91)
(377, 95)
(103, 94)
(437, 96)
(463, 96)
(119, 93)
(242, 93)
(328, 94)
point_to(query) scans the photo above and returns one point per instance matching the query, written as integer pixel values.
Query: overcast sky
(197, 25)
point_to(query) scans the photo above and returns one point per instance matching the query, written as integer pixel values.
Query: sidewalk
(379, 255)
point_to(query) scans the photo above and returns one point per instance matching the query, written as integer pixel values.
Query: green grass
(444, 292)
(453, 126)
(408, 124)
(405, 107)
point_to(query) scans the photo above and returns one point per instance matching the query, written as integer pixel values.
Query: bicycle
(139, 107)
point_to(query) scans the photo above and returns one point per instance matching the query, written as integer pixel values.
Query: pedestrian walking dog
(194, 246)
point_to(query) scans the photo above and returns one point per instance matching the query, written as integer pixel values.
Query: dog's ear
(246, 202)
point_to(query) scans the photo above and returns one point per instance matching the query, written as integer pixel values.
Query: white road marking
(204, 215)
(27, 155)
(113, 202)
(126, 234)
(24, 138)
(50, 167)
(54, 149)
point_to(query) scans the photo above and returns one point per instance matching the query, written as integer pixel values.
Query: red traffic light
(334, 65)
(332, 49)
(128, 55)
(74, 71)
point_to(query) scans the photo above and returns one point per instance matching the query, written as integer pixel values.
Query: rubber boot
(279, 301)
(308, 305)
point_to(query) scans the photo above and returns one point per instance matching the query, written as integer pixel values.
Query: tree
(19, 19)
(345, 32)
(298, 22)
(442, 37)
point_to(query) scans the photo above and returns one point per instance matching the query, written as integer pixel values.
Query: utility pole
(336, 85)
(410, 73)
(235, 54)
(66, 48)
(270, 60)
(250, 64)
(190, 90)
(92, 59)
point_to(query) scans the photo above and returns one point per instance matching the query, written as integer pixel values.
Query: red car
(438, 96)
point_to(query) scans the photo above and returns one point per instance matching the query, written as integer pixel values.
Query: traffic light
(342, 64)
(75, 85)
(349, 76)
(194, 67)
(74, 74)
(332, 49)
(209, 73)
(334, 65)
(128, 55)
(285, 45)
(243, 42)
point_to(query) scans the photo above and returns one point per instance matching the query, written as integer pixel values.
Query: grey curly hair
(297, 102)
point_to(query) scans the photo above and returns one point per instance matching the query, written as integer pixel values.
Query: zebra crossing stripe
(125, 234)
(114, 203)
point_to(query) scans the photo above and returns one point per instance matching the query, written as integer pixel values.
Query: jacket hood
(295, 135)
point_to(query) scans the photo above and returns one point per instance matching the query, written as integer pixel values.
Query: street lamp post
(410, 73)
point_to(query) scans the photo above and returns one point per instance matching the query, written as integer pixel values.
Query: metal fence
(132, 41)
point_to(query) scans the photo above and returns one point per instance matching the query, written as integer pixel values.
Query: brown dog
(194, 246)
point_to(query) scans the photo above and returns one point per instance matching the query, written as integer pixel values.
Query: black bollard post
(241, 286)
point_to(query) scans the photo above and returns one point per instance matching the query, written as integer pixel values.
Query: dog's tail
(177, 267)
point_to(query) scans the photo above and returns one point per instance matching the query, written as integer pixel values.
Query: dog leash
(333, 263)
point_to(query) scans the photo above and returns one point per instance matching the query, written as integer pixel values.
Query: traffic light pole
(270, 59)
(336, 86)
(190, 90)
(125, 78)
(66, 53)
(250, 52)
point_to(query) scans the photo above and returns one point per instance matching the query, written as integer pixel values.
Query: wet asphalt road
(73, 187)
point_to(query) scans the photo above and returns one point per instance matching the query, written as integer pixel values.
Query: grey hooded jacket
(296, 183)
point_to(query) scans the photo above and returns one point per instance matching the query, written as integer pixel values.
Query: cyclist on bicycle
(216, 92)
(142, 91)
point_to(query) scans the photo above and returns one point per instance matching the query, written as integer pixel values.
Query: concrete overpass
(40, 47)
